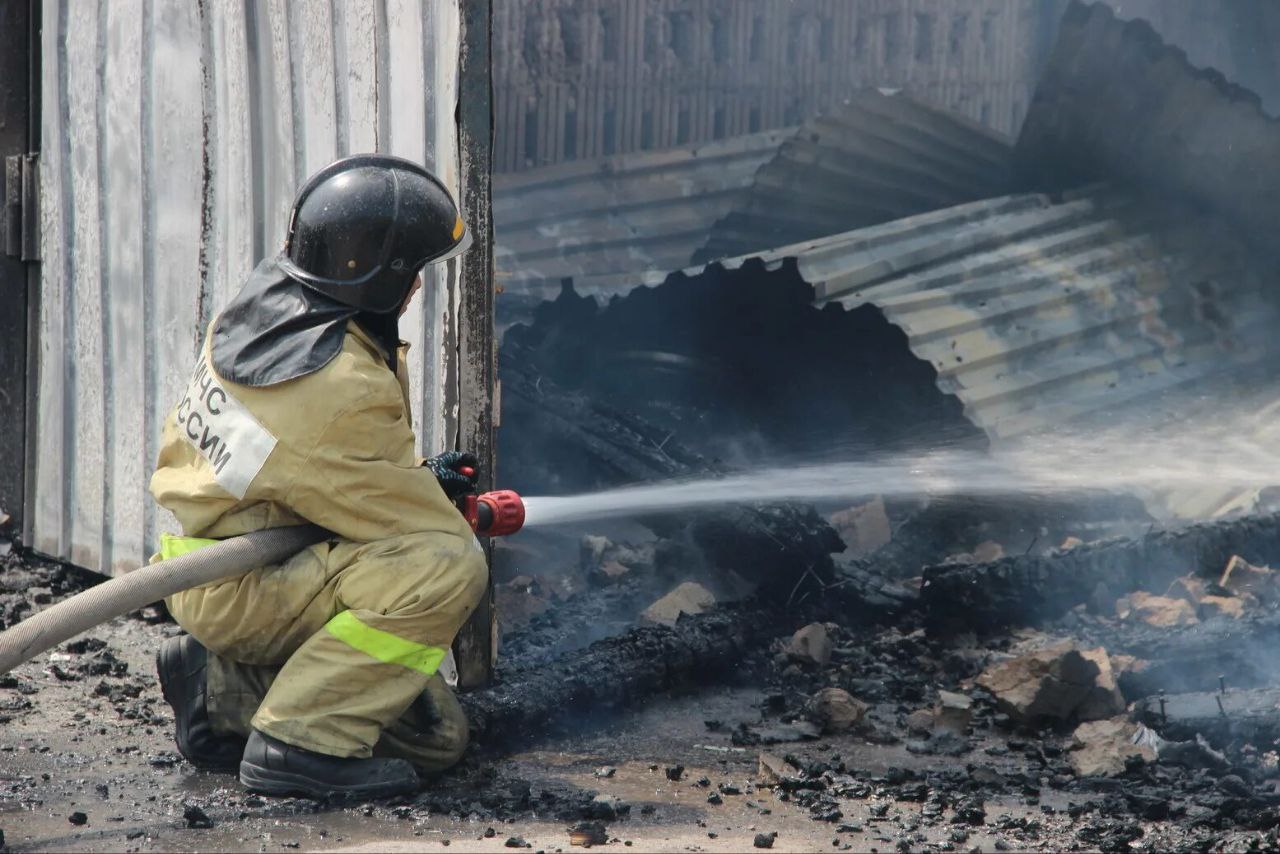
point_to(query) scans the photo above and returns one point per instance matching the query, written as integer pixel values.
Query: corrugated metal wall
(175, 133)
(593, 78)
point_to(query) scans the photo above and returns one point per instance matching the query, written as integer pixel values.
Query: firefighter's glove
(446, 469)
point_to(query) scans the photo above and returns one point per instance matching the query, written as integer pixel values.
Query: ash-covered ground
(824, 728)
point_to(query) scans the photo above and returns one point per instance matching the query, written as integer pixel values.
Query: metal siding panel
(279, 156)
(86, 443)
(405, 88)
(163, 119)
(358, 80)
(56, 250)
(128, 467)
(174, 145)
(314, 53)
(232, 161)
(442, 34)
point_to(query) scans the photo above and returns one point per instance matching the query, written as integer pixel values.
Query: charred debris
(1093, 274)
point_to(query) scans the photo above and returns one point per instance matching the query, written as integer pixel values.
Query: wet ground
(87, 764)
(73, 751)
(77, 752)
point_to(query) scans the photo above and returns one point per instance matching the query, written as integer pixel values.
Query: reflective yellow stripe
(385, 646)
(171, 546)
(458, 228)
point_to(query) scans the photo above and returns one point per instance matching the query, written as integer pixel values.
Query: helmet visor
(463, 244)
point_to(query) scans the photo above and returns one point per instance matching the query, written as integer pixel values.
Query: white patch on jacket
(221, 429)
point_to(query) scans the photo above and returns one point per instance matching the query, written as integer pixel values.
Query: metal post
(476, 645)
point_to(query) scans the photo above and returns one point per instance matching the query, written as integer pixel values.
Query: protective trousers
(336, 650)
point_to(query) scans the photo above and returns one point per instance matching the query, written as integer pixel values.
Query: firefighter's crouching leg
(397, 604)
(432, 733)
(250, 625)
(235, 690)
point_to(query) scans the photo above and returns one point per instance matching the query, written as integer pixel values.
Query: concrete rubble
(1061, 682)
(834, 710)
(1106, 747)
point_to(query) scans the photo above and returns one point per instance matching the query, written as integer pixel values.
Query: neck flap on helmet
(276, 329)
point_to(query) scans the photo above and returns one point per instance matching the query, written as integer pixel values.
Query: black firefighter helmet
(363, 226)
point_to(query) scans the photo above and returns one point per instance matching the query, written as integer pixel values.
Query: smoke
(1208, 462)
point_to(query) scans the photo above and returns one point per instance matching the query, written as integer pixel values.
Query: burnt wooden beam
(533, 699)
(1027, 590)
(1250, 715)
(1194, 657)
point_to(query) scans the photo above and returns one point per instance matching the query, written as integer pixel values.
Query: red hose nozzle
(498, 513)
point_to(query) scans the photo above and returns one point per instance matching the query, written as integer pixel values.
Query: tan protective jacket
(335, 447)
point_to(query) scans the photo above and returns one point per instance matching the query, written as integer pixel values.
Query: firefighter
(319, 676)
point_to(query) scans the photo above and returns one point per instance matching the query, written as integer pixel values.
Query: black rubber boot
(272, 767)
(181, 663)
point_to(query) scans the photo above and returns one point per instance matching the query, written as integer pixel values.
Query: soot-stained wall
(590, 78)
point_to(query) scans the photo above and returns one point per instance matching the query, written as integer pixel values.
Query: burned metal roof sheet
(606, 223)
(878, 157)
(614, 223)
(1035, 311)
(1115, 103)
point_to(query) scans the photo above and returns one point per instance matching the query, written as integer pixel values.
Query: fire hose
(491, 514)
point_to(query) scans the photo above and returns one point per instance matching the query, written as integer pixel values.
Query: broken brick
(610, 572)
(920, 722)
(863, 527)
(1055, 682)
(1221, 606)
(1188, 587)
(1243, 579)
(1103, 748)
(836, 710)
(1105, 699)
(774, 771)
(687, 598)
(810, 645)
(1161, 611)
(952, 712)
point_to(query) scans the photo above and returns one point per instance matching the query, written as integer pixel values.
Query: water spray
(1150, 463)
